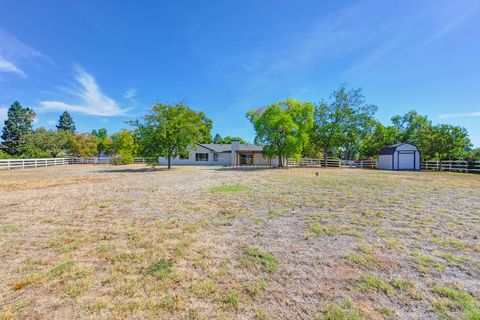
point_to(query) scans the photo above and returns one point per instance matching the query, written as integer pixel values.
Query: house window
(184, 156)
(215, 157)
(201, 156)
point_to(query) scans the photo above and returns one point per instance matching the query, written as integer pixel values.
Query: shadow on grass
(248, 168)
(134, 170)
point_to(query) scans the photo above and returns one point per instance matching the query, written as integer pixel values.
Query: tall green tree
(228, 140)
(170, 130)
(19, 123)
(66, 123)
(446, 142)
(124, 146)
(217, 139)
(83, 145)
(378, 137)
(43, 142)
(412, 128)
(103, 140)
(343, 122)
(282, 128)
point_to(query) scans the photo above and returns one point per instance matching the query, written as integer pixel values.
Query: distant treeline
(344, 126)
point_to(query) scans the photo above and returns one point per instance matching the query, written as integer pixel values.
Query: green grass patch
(231, 298)
(160, 269)
(371, 283)
(255, 288)
(10, 228)
(344, 311)
(319, 229)
(228, 188)
(360, 260)
(454, 299)
(425, 263)
(451, 242)
(261, 257)
(203, 288)
(60, 268)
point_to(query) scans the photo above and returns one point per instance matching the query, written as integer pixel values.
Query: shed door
(406, 160)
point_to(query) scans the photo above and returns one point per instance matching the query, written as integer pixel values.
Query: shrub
(4, 155)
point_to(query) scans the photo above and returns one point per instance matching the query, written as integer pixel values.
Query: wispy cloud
(459, 115)
(92, 100)
(130, 93)
(454, 24)
(9, 67)
(12, 52)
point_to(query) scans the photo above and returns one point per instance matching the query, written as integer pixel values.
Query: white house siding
(385, 162)
(224, 159)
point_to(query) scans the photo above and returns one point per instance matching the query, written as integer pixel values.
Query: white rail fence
(452, 165)
(47, 162)
(444, 165)
(333, 163)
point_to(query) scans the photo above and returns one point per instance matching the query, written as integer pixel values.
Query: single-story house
(400, 156)
(233, 154)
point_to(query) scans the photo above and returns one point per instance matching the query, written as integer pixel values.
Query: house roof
(216, 147)
(220, 147)
(391, 149)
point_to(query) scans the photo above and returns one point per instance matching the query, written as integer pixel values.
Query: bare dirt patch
(103, 242)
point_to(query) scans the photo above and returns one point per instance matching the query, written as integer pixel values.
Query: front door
(246, 159)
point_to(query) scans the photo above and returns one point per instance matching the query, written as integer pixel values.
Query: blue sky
(107, 61)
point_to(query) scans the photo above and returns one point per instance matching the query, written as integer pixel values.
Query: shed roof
(391, 149)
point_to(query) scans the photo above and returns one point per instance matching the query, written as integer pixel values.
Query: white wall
(385, 162)
(408, 147)
(223, 158)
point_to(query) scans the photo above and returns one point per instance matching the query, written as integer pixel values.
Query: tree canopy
(66, 123)
(18, 124)
(83, 145)
(103, 140)
(343, 122)
(43, 142)
(446, 142)
(227, 140)
(124, 146)
(169, 130)
(282, 128)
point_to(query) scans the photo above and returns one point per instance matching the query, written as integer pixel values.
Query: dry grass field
(104, 242)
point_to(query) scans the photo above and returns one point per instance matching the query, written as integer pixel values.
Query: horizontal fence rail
(47, 162)
(333, 163)
(452, 165)
(444, 165)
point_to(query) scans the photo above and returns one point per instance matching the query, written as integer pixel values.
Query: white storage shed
(400, 156)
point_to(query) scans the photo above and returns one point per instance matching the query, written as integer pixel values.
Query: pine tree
(217, 139)
(66, 122)
(17, 125)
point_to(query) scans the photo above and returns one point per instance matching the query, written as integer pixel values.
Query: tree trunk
(280, 161)
(325, 154)
(169, 161)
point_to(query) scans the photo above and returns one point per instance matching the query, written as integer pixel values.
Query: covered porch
(251, 159)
